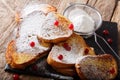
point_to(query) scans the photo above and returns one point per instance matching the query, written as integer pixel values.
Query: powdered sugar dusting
(33, 7)
(82, 21)
(49, 31)
(29, 28)
(32, 24)
(68, 56)
(23, 42)
(37, 23)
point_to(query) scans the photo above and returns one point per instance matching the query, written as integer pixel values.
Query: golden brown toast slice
(21, 60)
(64, 54)
(96, 67)
(56, 28)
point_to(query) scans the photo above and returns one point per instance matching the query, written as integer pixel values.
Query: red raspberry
(60, 57)
(32, 44)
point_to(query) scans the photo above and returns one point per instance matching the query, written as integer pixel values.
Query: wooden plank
(91, 2)
(59, 4)
(64, 3)
(15, 4)
(6, 24)
(116, 18)
(105, 7)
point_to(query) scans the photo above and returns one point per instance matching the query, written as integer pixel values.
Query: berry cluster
(106, 33)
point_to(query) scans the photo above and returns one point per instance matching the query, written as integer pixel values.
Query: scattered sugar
(82, 21)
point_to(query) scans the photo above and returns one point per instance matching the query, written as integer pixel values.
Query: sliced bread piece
(45, 8)
(56, 28)
(25, 51)
(96, 67)
(30, 8)
(64, 54)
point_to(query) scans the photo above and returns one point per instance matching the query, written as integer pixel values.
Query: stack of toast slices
(41, 31)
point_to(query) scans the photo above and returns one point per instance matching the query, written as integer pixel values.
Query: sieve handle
(95, 36)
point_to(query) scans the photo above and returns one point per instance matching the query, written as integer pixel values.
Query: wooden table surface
(110, 10)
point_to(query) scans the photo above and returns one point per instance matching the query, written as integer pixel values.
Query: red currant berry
(32, 44)
(15, 77)
(60, 57)
(109, 40)
(112, 71)
(105, 32)
(56, 23)
(66, 46)
(86, 51)
(71, 27)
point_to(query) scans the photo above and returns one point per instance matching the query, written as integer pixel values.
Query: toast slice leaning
(64, 54)
(20, 57)
(55, 28)
(96, 67)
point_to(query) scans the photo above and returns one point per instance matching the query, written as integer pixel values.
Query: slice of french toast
(96, 67)
(64, 54)
(55, 28)
(26, 54)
